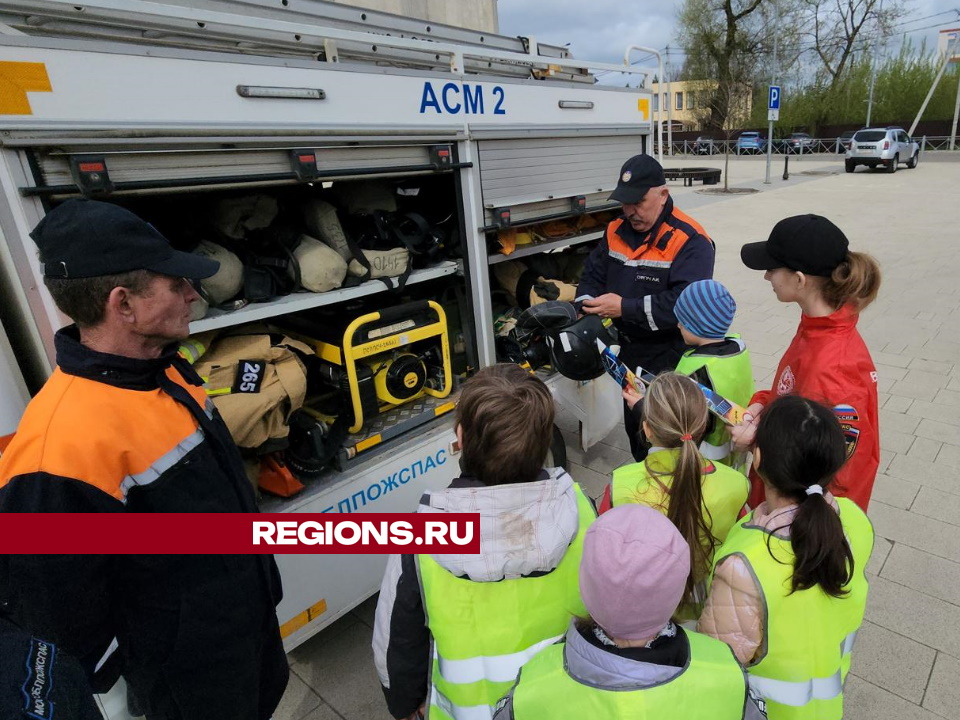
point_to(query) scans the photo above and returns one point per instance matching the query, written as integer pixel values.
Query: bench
(708, 176)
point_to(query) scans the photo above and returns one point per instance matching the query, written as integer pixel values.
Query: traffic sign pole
(773, 113)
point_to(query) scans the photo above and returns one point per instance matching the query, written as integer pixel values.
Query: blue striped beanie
(705, 308)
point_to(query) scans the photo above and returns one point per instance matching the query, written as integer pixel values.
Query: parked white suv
(882, 146)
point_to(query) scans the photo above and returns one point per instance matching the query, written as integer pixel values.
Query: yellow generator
(382, 360)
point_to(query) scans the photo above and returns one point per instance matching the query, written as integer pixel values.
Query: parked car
(887, 147)
(706, 145)
(800, 143)
(750, 142)
(843, 142)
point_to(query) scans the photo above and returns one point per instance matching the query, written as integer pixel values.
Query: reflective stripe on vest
(442, 708)
(712, 685)
(797, 694)
(808, 634)
(483, 632)
(715, 452)
(497, 668)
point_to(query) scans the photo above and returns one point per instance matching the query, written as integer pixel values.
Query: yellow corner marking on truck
(369, 442)
(307, 616)
(445, 408)
(643, 105)
(16, 80)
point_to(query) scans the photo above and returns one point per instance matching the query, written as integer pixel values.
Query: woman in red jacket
(807, 261)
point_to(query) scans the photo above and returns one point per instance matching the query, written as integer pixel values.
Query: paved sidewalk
(907, 659)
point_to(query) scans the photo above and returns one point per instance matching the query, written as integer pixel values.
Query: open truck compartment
(471, 173)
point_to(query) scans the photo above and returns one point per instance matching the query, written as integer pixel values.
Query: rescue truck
(166, 105)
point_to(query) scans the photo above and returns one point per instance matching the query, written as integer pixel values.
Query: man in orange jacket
(124, 425)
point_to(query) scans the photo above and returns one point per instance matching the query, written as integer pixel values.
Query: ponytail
(676, 412)
(686, 512)
(801, 449)
(823, 556)
(856, 280)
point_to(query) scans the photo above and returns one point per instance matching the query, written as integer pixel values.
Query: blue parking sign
(773, 100)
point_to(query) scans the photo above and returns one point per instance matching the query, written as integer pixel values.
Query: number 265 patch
(249, 376)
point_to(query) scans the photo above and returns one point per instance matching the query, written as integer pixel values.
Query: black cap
(810, 244)
(87, 238)
(638, 174)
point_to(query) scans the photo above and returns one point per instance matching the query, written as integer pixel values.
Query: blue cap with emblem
(638, 174)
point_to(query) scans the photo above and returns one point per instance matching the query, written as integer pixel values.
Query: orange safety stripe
(98, 433)
(651, 252)
(684, 218)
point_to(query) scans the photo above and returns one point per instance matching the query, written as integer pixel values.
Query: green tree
(900, 85)
(723, 41)
(835, 28)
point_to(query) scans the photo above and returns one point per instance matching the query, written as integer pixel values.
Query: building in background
(689, 104)
(471, 14)
(947, 39)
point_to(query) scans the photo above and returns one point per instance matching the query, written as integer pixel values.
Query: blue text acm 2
(470, 100)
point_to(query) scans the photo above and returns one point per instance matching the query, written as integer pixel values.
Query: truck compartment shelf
(217, 319)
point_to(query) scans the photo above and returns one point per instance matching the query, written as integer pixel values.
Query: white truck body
(154, 89)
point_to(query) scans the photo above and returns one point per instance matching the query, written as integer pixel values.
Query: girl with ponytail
(807, 261)
(701, 498)
(788, 590)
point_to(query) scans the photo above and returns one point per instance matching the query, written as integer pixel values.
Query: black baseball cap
(810, 244)
(83, 238)
(638, 174)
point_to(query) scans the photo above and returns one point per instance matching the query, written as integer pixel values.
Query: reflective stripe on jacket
(113, 434)
(808, 635)
(649, 271)
(484, 632)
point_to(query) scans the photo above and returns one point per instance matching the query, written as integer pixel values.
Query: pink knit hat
(633, 572)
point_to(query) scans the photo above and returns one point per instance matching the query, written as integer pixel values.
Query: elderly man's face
(163, 310)
(644, 214)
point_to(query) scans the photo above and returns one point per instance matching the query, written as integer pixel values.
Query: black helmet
(544, 317)
(527, 341)
(574, 348)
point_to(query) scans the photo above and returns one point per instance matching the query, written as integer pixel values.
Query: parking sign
(773, 102)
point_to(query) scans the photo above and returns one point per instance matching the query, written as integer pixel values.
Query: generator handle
(398, 312)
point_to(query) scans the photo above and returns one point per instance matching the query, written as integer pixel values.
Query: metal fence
(690, 148)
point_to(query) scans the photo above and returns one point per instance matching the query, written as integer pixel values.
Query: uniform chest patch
(787, 382)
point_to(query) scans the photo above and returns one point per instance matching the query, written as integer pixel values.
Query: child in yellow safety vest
(714, 357)
(788, 591)
(629, 659)
(702, 498)
(452, 629)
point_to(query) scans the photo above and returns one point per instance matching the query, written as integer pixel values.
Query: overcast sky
(602, 29)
